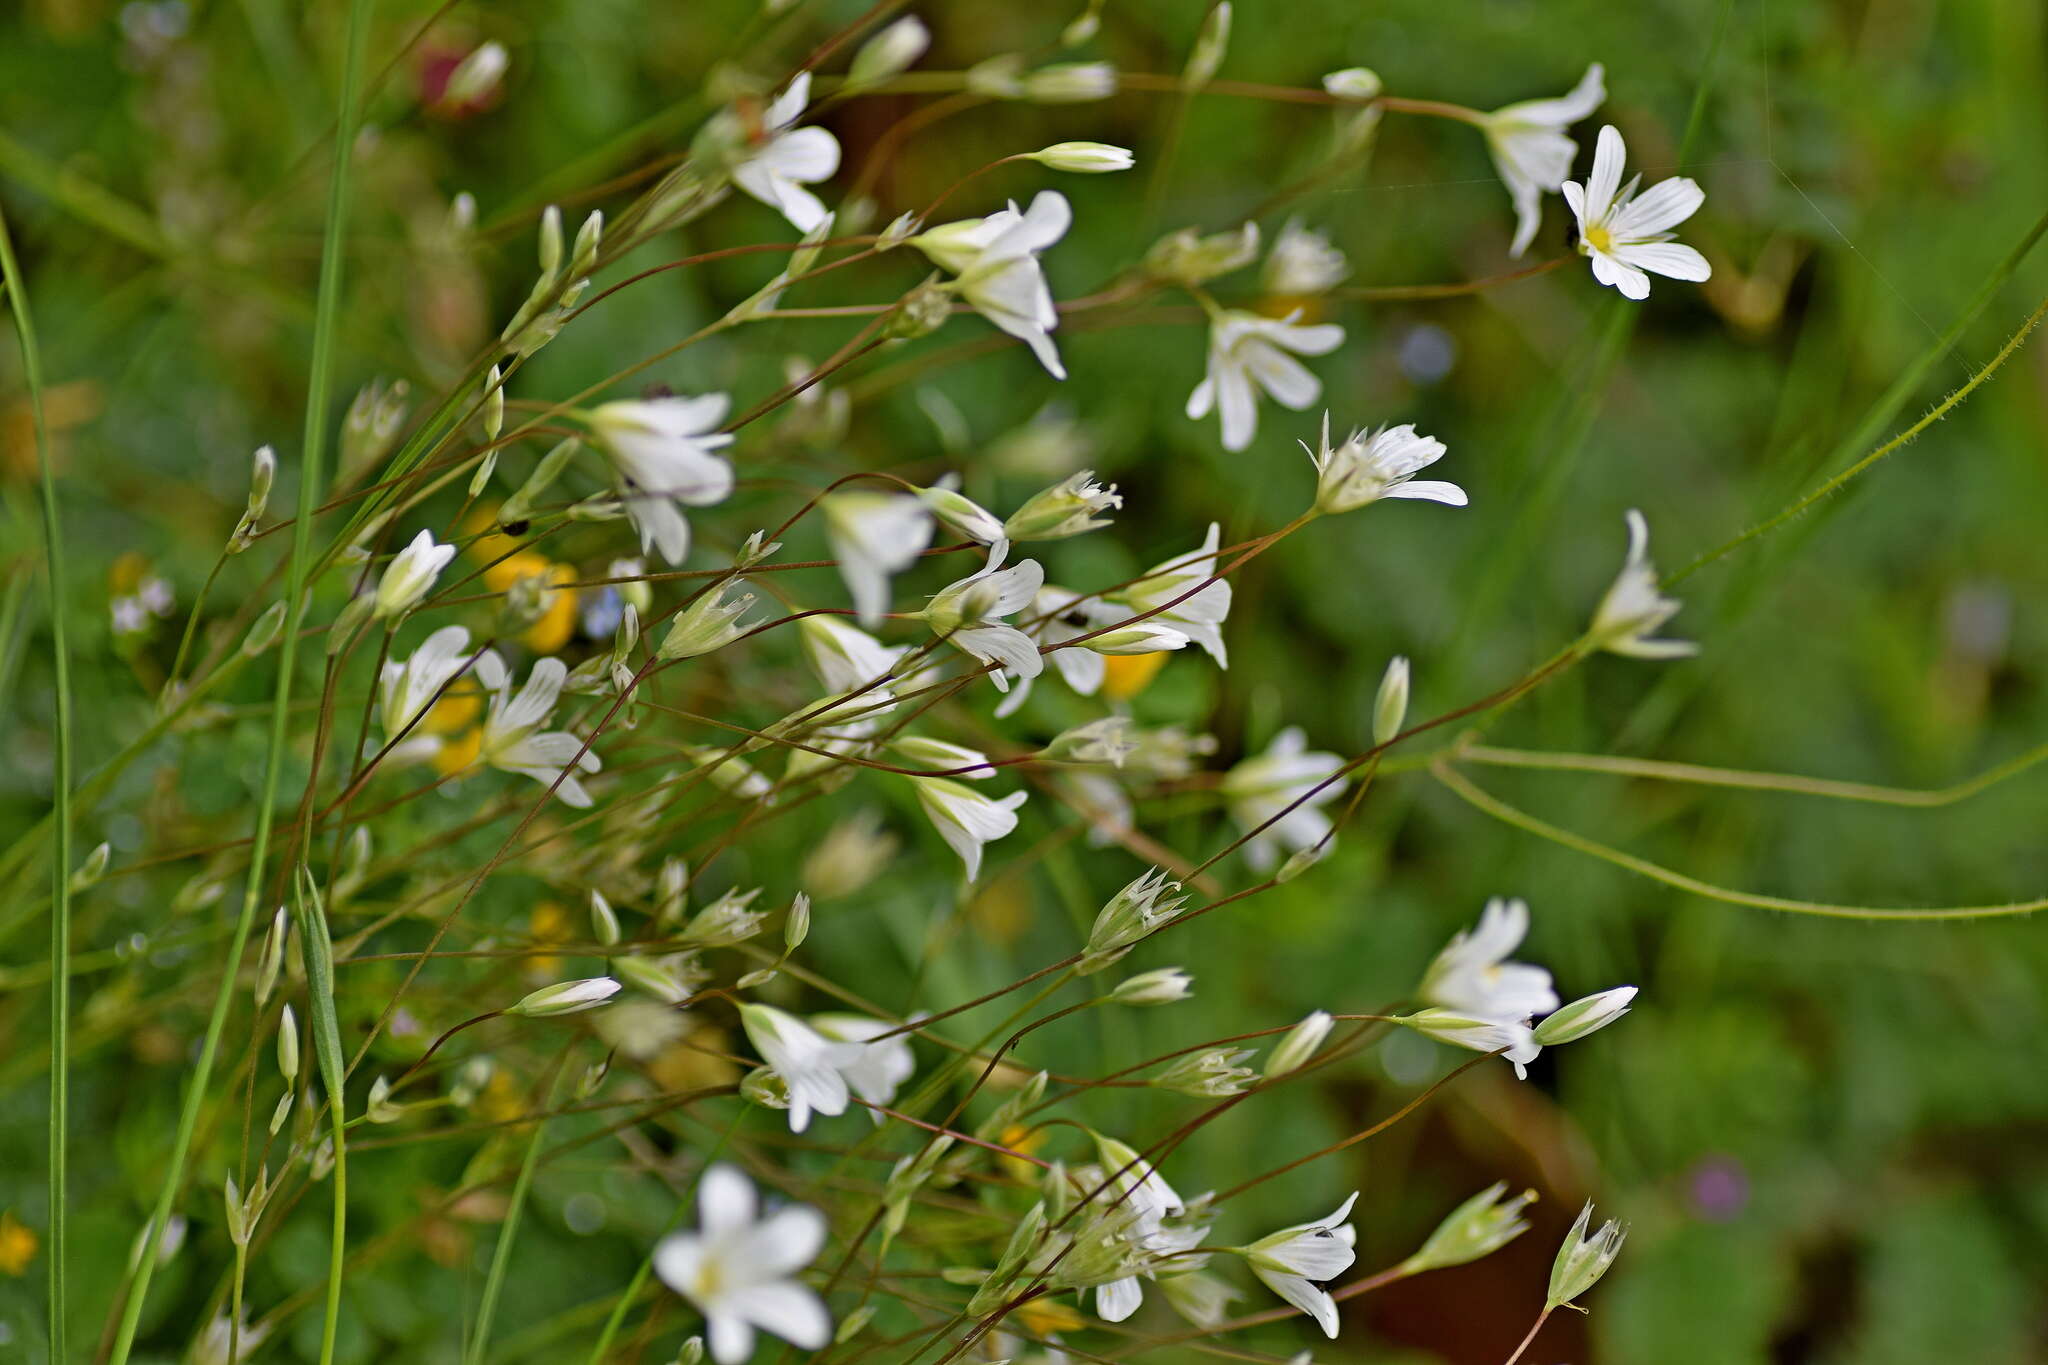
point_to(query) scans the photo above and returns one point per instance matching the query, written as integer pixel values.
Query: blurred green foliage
(1828, 1135)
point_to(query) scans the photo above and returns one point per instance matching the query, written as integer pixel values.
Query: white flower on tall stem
(1132, 1183)
(1626, 234)
(845, 657)
(408, 689)
(410, 575)
(879, 1064)
(1248, 353)
(513, 740)
(661, 450)
(738, 1268)
(1531, 151)
(1472, 975)
(811, 1065)
(1633, 607)
(965, 818)
(968, 615)
(1267, 787)
(1197, 607)
(1513, 1040)
(777, 160)
(994, 261)
(1368, 466)
(1295, 1262)
(874, 536)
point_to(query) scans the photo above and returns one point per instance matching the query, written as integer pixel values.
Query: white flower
(406, 690)
(737, 1267)
(661, 450)
(810, 1064)
(846, 658)
(889, 52)
(1248, 353)
(475, 78)
(968, 615)
(1584, 1016)
(961, 512)
(1303, 263)
(1262, 788)
(1200, 616)
(512, 738)
(1516, 1041)
(1633, 607)
(945, 756)
(1368, 466)
(965, 818)
(779, 160)
(1473, 976)
(995, 264)
(410, 574)
(1132, 1183)
(1069, 83)
(873, 536)
(876, 1068)
(1294, 1262)
(1626, 234)
(1531, 151)
(1301, 1043)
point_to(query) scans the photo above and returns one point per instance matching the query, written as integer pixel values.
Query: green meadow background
(1830, 1136)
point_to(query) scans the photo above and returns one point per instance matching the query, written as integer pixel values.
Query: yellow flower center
(1599, 238)
(458, 753)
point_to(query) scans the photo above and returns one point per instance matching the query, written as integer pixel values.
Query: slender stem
(60, 856)
(1534, 1328)
(318, 392)
(508, 1232)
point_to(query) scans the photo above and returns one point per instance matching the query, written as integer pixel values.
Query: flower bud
(889, 53)
(565, 997)
(476, 77)
(671, 891)
(410, 575)
(288, 1046)
(1166, 986)
(1131, 914)
(962, 513)
(765, 1088)
(1099, 741)
(1390, 707)
(1084, 158)
(550, 243)
(1215, 1074)
(381, 1107)
(709, 624)
(797, 927)
(89, 872)
(1187, 258)
(1300, 1044)
(1301, 860)
(652, 976)
(1210, 45)
(494, 404)
(264, 633)
(1582, 1017)
(1068, 508)
(920, 312)
(1478, 1227)
(1069, 83)
(604, 921)
(589, 237)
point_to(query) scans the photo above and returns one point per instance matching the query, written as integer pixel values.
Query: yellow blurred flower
(506, 564)
(18, 1245)
(550, 922)
(1126, 675)
(1043, 1316)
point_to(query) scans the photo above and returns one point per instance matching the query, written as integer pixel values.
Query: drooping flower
(1472, 975)
(661, 450)
(738, 1268)
(1264, 787)
(1294, 1262)
(1368, 466)
(1513, 1040)
(1633, 607)
(1157, 1226)
(969, 615)
(1187, 601)
(1248, 353)
(878, 1064)
(513, 740)
(965, 818)
(845, 657)
(778, 159)
(1532, 152)
(1625, 234)
(874, 536)
(411, 692)
(810, 1064)
(994, 261)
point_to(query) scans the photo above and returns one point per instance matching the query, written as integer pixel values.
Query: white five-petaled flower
(512, 738)
(1267, 788)
(1131, 1182)
(410, 574)
(1248, 353)
(1295, 1262)
(737, 1268)
(965, 818)
(777, 160)
(1368, 466)
(1198, 606)
(1633, 607)
(1626, 234)
(811, 1065)
(874, 536)
(661, 449)
(994, 261)
(1532, 152)
(1472, 975)
(878, 1065)
(968, 614)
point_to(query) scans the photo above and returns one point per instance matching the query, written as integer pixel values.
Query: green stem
(318, 392)
(60, 862)
(508, 1232)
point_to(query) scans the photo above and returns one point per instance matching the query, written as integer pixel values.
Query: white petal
(806, 154)
(1632, 283)
(1663, 206)
(1609, 155)
(1238, 404)
(732, 1338)
(786, 1240)
(1281, 375)
(1432, 490)
(725, 1200)
(1118, 1299)
(1672, 259)
(787, 1309)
